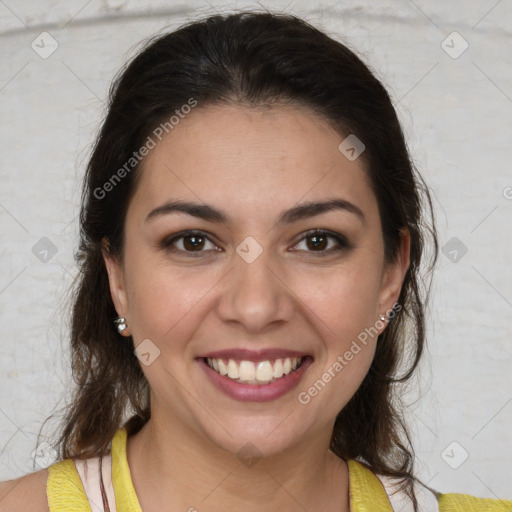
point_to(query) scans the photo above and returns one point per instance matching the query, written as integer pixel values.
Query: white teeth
(278, 369)
(223, 369)
(248, 372)
(233, 372)
(264, 373)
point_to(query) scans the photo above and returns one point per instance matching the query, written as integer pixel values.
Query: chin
(253, 437)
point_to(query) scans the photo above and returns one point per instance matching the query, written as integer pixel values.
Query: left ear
(394, 274)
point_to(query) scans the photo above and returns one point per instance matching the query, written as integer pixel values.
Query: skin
(252, 164)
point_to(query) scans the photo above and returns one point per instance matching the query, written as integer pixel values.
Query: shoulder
(430, 500)
(27, 493)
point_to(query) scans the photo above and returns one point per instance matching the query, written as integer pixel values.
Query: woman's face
(250, 284)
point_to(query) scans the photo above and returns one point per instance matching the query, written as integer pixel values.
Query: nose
(255, 295)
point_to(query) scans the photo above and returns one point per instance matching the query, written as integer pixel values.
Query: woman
(251, 235)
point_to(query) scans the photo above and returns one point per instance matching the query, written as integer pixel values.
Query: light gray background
(456, 115)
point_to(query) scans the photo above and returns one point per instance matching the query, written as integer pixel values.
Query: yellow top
(367, 494)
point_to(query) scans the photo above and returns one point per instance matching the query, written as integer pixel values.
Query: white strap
(107, 482)
(400, 502)
(89, 472)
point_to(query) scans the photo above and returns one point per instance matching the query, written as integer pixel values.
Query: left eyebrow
(313, 208)
(302, 211)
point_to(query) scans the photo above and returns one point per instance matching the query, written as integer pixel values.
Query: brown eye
(322, 242)
(189, 242)
(316, 242)
(193, 242)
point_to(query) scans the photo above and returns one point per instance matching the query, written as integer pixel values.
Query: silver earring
(383, 318)
(121, 324)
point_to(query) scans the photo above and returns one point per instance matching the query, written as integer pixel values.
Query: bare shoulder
(27, 493)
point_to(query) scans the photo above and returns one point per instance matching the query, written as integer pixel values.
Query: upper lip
(253, 355)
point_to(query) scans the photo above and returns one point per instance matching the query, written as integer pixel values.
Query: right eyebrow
(202, 211)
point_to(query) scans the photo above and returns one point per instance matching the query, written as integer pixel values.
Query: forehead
(257, 160)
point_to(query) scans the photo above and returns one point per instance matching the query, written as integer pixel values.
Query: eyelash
(167, 243)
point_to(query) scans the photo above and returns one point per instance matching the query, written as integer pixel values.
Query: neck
(173, 469)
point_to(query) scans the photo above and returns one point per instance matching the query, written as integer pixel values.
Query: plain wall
(456, 113)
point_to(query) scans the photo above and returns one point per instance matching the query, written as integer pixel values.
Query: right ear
(116, 281)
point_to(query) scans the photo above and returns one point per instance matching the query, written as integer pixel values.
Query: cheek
(162, 300)
(342, 309)
(343, 301)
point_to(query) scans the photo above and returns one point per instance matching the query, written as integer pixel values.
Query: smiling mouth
(257, 373)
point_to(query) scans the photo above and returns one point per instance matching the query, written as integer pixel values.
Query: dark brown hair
(251, 59)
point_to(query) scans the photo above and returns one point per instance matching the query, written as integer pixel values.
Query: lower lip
(256, 392)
